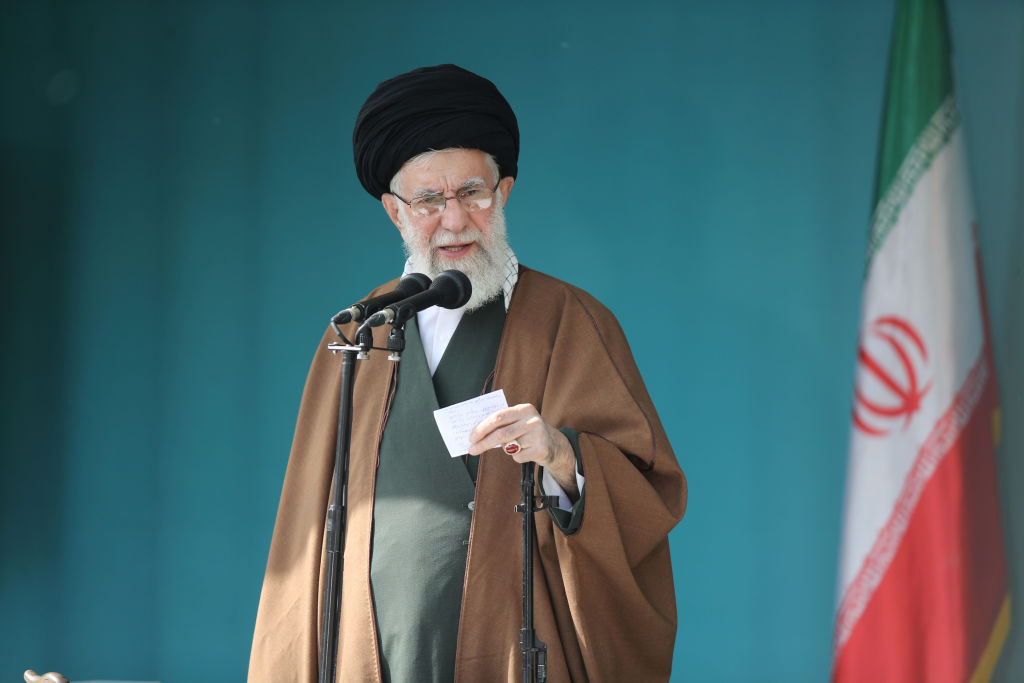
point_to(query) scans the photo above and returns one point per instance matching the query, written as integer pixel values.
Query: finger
(497, 438)
(493, 421)
(531, 450)
(534, 446)
(500, 418)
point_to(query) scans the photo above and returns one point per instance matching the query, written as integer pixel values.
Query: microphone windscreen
(455, 288)
(413, 283)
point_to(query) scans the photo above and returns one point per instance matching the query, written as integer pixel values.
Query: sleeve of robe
(615, 569)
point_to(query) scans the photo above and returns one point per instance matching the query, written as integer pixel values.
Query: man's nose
(455, 217)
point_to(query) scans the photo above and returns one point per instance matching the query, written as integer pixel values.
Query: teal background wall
(181, 216)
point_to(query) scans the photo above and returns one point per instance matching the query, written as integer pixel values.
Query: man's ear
(505, 185)
(390, 203)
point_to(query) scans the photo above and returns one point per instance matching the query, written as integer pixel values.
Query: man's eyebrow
(475, 181)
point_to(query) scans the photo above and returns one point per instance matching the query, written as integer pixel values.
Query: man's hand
(539, 442)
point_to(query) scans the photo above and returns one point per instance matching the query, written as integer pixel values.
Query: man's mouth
(456, 250)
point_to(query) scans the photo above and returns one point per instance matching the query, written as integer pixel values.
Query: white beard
(485, 268)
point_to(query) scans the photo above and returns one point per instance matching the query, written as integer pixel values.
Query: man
(432, 573)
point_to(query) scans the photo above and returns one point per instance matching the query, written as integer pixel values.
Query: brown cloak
(604, 598)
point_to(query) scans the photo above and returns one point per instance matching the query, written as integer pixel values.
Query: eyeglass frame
(447, 199)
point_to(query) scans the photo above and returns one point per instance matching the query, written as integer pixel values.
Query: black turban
(435, 107)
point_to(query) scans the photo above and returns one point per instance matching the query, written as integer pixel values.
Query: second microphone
(450, 289)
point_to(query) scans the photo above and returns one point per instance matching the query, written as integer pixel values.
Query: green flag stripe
(917, 161)
(920, 80)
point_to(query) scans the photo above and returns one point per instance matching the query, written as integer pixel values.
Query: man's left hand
(539, 442)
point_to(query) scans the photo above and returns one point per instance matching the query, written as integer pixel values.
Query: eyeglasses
(475, 198)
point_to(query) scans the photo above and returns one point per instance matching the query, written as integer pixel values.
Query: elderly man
(432, 575)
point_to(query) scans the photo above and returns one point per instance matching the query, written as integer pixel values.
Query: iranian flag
(922, 575)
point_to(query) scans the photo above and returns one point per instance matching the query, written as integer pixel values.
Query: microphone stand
(452, 289)
(535, 652)
(336, 512)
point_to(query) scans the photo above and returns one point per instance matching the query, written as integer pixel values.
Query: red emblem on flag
(892, 356)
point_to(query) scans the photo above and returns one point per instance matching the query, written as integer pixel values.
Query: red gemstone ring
(512, 447)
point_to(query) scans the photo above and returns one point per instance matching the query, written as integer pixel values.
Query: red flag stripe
(929, 456)
(934, 614)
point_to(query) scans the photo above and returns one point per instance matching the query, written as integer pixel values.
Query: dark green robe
(423, 504)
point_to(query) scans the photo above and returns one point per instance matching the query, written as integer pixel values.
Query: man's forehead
(446, 168)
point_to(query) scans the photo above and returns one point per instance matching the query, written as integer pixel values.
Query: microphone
(411, 284)
(450, 289)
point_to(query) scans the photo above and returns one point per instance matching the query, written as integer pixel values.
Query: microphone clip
(396, 342)
(364, 340)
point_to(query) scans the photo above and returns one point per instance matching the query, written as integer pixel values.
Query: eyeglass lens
(472, 199)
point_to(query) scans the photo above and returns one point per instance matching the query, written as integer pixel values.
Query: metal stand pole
(336, 519)
(535, 652)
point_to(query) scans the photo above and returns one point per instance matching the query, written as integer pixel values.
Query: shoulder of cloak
(569, 354)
